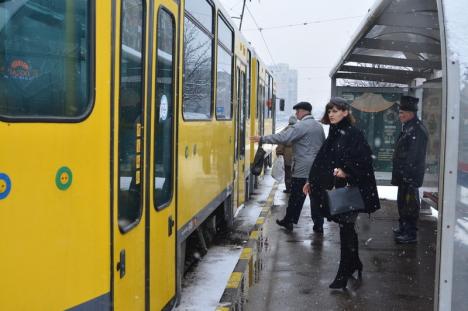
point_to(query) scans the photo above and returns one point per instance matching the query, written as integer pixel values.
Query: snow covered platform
(250, 263)
(299, 266)
(276, 270)
(231, 266)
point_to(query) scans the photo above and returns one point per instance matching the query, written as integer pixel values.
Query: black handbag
(257, 165)
(344, 200)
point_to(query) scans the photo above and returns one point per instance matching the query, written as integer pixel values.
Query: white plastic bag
(277, 171)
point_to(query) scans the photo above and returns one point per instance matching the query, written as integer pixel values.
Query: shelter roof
(398, 41)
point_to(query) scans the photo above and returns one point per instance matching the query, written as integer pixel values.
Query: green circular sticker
(63, 178)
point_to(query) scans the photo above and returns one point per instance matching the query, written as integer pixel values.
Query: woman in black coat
(344, 158)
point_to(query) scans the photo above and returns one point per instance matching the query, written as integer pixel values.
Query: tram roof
(398, 41)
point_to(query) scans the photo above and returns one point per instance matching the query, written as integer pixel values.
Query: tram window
(224, 34)
(257, 111)
(198, 71)
(273, 108)
(163, 147)
(248, 86)
(45, 59)
(224, 85)
(242, 109)
(130, 120)
(268, 99)
(224, 72)
(202, 11)
(260, 111)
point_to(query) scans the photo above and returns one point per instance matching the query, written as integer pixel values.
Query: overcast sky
(312, 49)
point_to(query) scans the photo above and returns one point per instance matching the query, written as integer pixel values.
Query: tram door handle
(170, 225)
(121, 264)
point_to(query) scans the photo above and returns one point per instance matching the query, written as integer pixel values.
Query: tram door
(161, 192)
(129, 149)
(240, 135)
(260, 103)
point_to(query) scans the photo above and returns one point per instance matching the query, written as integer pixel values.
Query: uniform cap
(408, 103)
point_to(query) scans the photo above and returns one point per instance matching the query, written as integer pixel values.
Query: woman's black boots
(341, 278)
(357, 264)
(349, 258)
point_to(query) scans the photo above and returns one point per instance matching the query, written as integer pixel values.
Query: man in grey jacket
(306, 138)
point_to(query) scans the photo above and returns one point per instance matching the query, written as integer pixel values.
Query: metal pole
(242, 15)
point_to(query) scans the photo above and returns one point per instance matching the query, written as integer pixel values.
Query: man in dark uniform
(409, 163)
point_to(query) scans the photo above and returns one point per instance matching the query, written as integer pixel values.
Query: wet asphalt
(299, 266)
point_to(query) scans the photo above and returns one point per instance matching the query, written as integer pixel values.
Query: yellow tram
(125, 127)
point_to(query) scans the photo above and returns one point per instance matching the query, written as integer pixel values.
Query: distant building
(286, 87)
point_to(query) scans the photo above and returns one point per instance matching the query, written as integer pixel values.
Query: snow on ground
(387, 192)
(207, 283)
(390, 193)
(204, 286)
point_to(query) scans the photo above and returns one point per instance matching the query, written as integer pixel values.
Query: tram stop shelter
(418, 48)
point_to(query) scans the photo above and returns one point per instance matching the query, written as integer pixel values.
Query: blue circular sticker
(5, 185)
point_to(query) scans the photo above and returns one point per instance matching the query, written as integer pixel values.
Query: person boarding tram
(306, 137)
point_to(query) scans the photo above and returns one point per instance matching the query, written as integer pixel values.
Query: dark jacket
(345, 148)
(409, 156)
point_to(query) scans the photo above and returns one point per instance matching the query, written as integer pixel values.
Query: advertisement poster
(431, 114)
(377, 116)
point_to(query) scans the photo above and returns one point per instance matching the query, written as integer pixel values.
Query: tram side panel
(267, 106)
(162, 165)
(253, 124)
(240, 100)
(248, 151)
(55, 215)
(205, 167)
(263, 124)
(247, 95)
(206, 142)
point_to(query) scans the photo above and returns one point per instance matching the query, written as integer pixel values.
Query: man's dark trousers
(296, 200)
(408, 208)
(287, 176)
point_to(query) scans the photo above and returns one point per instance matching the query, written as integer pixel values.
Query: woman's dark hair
(340, 104)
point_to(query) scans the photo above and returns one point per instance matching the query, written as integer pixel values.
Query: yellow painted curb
(246, 253)
(249, 263)
(234, 280)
